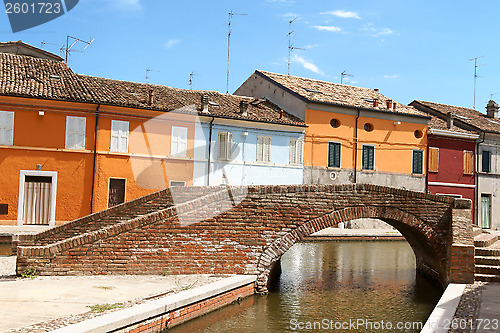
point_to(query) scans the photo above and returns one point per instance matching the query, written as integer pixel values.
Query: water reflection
(333, 281)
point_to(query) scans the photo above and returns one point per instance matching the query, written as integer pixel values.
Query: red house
(451, 164)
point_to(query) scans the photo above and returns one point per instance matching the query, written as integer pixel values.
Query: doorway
(116, 191)
(485, 211)
(37, 197)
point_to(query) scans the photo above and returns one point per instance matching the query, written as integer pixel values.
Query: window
(486, 157)
(468, 162)
(433, 159)
(75, 132)
(334, 123)
(368, 127)
(119, 136)
(224, 146)
(418, 162)
(334, 149)
(178, 145)
(116, 194)
(296, 149)
(263, 149)
(177, 183)
(368, 158)
(418, 134)
(6, 128)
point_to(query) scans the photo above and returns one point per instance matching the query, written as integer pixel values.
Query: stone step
(487, 251)
(486, 269)
(487, 277)
(485, 240)
(487, 260)
(476, 231)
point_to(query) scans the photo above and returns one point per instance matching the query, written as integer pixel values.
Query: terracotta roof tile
(464, 115)
(334, 93)
(40, 78)
(441, 124)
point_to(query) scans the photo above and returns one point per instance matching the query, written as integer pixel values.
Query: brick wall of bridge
(210, 235)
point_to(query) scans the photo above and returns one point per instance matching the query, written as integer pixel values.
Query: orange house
(354, 134)
(71, 144)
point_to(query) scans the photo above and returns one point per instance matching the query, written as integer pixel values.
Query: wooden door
(116, 192)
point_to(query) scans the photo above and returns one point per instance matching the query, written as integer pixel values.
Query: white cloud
(342, 14)
(395, 76)
(127, 4)
(330, 28)
(307, 64)
(385, 31)
(170, 43)
(290, 15)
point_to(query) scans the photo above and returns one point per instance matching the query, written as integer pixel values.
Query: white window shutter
(267, 149)
(222, 146)
(179, 141)
(229, 151)
(80, 135)
(300, 149)
(293, 149)
(6, 128)
(260, 150)
(124, 137)
(119, 136)
(69, 133)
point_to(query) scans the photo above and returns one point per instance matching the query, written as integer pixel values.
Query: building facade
(487, 152)
(354, 135)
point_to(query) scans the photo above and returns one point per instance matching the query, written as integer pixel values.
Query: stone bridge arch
(243, 230)
(423, 239)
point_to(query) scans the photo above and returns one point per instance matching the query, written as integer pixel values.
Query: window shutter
(80, 135)
(69, 132)
(178, 146)
(119, 136)
(260, 149)
(267, 149)
(434, 159)
(293, 151)
(123, 141)
(418, 159)
(486, 165)
(368, 158)
(223, 145)
(229, 149)
(334, 149)
(75, 132)
(468, 162)
(300, 154)
(6, 128)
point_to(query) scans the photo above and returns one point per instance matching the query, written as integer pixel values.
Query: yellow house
(354, 134)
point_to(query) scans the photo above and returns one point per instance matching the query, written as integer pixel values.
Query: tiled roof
(34, 51)
(464, 115)
(441, 124)
(47, 79)
(334, 93)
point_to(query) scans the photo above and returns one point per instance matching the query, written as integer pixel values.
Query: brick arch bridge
(245, 230)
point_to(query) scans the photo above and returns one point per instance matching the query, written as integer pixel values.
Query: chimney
(376, 90)
(375, 102)
(204, 103)
(244, 108)
(389, 103)
(492, 109)
(150, 97)
(394, 105)
(449, 120)
(281, 114)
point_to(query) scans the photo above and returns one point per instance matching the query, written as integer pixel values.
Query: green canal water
(333, 286)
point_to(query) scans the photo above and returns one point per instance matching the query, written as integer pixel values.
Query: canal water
(334, 286)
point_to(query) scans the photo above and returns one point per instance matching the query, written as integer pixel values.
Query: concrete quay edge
(135, 314)
(445, 309)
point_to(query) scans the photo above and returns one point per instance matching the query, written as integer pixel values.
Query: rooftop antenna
(342, 75)
(475, 77)
(45, 43)
(191, 75)
(290, 46)
(148, 70)
(231, 14)
(491, 96)
(68, 47)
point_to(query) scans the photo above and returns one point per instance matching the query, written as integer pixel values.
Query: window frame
(5, 126)
(296, 152)
(228, 143)
(429, 167)
(330, 143)
(116, 127)
(471, 159)
(175, 149)
(362, 157)
(264, 145)
(414, 170)
(488, 152)
(72, 133)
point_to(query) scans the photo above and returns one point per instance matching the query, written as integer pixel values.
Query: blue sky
(408, 49)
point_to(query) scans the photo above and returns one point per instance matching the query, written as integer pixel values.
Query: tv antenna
(148, 70)
(231, 14)
(491, 96)
(290, 46)
(344, 74)
(475, 76)
(68, 48)
(45, 43)
(191, 75)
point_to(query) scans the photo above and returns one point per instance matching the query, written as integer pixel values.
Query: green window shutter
(368, 158)
(418, 161)
(486, 161)
(334, 154)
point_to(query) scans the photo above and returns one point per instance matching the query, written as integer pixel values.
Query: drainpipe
(476, 181)
(356, 150)
(427, 164)
(95, 157)
(210, 149)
